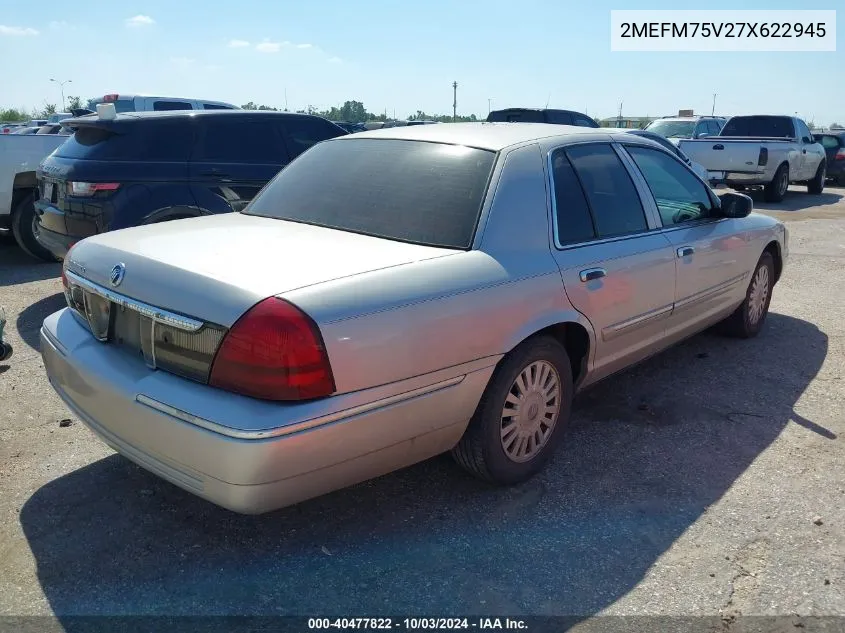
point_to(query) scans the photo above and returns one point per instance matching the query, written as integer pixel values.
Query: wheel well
(576, 341)
(25, 180)
(773, 248)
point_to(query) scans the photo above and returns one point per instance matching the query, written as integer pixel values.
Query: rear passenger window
(613, 199)
(574, 223)
(172, 105)
(560, 118)
(231, 139)
(303, 132)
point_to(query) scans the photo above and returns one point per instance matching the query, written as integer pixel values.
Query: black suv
(145, 167)
(531, 115)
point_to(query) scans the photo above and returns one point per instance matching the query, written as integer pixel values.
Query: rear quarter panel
(418, 318)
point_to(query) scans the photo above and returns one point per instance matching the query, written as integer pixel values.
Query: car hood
(216, 267)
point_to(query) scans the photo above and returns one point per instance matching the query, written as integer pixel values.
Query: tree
(353, 111)
(13, 114)
(835, 126)
(74, 103)
(49, 108)
(249, 106)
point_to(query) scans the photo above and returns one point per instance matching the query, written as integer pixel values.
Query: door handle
(685, 251)
(592, 273)
(803, 151)
(718, 146)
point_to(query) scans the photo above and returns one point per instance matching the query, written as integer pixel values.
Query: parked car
(421, 122)
(9, 128)
(351, 128)
(20, 155)
(540, 115)
(148, 103)
(59, 116)
(366, 312)
(144, 167)
(676, 128)
(24, 130)
(834, 147)
(762, 150)
(675, 150)
(54, 128)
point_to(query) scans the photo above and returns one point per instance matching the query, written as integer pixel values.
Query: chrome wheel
(759, 295)
(530, 411)
(783, 185)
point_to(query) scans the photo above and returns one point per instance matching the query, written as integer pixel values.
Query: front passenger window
(680, 196)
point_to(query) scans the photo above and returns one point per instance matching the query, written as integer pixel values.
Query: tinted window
(172, 105)
(574, 223)
(762, 126)
(828, 142)
(680, 196)
(143, 140)
(613, 199)
(216, 106)
(583, 121)
(231, 139)
(524, 116)
(672, 129)
(425, 193)
(303, 132)
(561, 118)
(120, 105)
(804, 132)
(713, 128)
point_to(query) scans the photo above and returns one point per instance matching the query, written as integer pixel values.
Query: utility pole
(454, 101)
(62, 88)
(713, 109)
(619, 119)
(286, 99)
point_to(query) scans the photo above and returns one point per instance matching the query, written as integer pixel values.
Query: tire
(776, 190)
(816, 185)
(23, 228)
(481, 451)
(746, 321)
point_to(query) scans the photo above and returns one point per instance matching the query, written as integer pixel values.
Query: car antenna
(549, 98)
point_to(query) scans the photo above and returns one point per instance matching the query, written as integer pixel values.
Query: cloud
(61, 25)
(139, 21)
(304, 46)
(182, 62)
(335, 60)
(16, 31)
(238, 44)
(268, 47)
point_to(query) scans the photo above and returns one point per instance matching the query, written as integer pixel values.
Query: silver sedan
(396, 294)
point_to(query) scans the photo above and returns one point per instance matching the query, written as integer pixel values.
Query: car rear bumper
(56, 243)
(746, 178)
(836, 167)
(164, 424)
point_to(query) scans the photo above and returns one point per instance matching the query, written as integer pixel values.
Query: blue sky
(399, 57)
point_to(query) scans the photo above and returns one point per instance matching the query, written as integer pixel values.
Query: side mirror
(703, 135)
(735, 205)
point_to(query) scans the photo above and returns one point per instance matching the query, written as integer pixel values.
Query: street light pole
(454, 101)
(62, 88)
(713, 110)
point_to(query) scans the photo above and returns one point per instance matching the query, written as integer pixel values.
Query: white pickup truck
(20, 155)
(762, 150)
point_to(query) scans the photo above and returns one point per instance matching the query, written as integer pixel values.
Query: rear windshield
(411, 191)
(762, 126)
(120, 105)
(168, 141)
(830, 141)
(516, 116)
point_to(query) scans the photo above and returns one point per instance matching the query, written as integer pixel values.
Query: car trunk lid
(718, 154)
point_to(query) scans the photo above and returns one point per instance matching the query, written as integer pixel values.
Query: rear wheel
(816, 185)
(776, 190)
(522, 415)
(748, 319)
(25, 228)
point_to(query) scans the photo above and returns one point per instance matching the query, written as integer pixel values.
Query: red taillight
(840, 155)
(275, 352)
(110, 98)
(86, 189)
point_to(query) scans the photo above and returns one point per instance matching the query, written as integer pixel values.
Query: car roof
(483, 135)
(184, 114)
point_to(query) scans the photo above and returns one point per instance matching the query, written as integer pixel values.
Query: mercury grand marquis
(397, 294)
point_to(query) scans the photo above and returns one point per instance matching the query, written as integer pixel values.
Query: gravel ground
(709, 481)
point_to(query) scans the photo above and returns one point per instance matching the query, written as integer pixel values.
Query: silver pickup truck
(762, 150)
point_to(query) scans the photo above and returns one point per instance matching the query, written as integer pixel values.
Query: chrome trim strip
(612, 331)
(172, 319)
(338, 416)
(709, 292)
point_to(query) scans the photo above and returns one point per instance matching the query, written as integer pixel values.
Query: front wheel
(522, 415)
(816, 185)
(748, 319)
